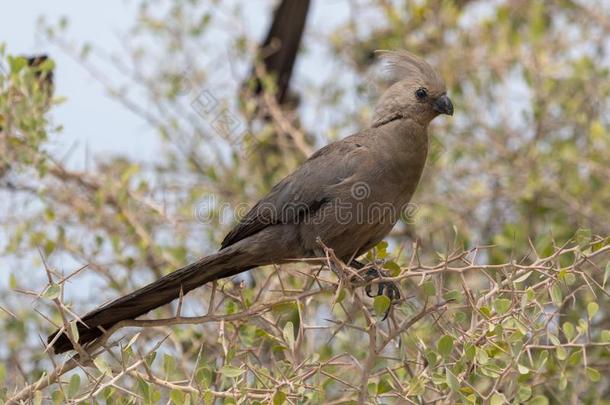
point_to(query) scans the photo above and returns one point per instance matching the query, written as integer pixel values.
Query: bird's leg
(367, 273)
(371, 272)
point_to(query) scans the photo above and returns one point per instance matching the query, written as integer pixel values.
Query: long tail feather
(160, 292)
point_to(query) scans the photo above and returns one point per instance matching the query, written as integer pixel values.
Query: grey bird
(348, 195)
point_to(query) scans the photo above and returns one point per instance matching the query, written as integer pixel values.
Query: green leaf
(606, 273)
(150, 358)
(561, 352)
(563, 382)
(341, 296)
(539, 400)
(102, 366)
(16, 64)
(575, 358)
(38, 398)
(49, 247)
(470, 399)
(429, 289)
(469, 351)
(605, 336)
(497, 399)
(383, 386)
(416, 387)
(452, 381)
(177, 397)
(230, 371)
(460, 317)
(58, 398)
(537, 22)
(554, 339)
(485, 311)
(597, 130)
(47, 66)
(502, 305)
(556, 294)
(431, 357)
(107, 394)
(204, 376)
(155, 396)
(208, 397)
(582, 327)
(381, 250)
(593, 374)
(444, 346)
(145, 390)
(288, 333)
(74, 330)
(452, 295)
(73, 385)
(392, 267)
(482, 356)
(132, 340)
(52, 291)
(530, 294)
(169, 365)
(568, 330)
(524, 392)
(279, 398)
(592, 309)
(381, 304)
(523, 369)
(583, 238)
(569, 278)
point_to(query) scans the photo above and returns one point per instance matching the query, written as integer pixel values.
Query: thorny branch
(379, 336)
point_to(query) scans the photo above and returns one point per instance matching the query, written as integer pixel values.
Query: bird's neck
(381, 120)
(409, 141)
(422, 120)
(404, 129)
(405, 141)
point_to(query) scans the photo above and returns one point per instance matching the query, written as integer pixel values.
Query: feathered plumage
(401, 65)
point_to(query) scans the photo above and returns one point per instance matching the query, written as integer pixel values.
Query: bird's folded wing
(304, 191)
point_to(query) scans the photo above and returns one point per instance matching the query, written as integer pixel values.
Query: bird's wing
(302, 192)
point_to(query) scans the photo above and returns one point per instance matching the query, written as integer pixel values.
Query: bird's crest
(401, 65)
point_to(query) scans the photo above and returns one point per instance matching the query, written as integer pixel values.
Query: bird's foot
(387, 288)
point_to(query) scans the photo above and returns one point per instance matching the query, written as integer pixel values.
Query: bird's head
(418, 92)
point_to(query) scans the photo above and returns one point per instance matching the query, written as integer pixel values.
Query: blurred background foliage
(522, 167)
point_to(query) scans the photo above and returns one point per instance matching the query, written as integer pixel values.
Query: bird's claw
(387, 288)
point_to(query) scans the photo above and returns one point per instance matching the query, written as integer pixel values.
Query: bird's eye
(421, 93)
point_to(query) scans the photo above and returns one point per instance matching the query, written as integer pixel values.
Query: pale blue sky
(94, 124)
(89, 117)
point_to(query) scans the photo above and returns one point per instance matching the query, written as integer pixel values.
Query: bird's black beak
(443, 105)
